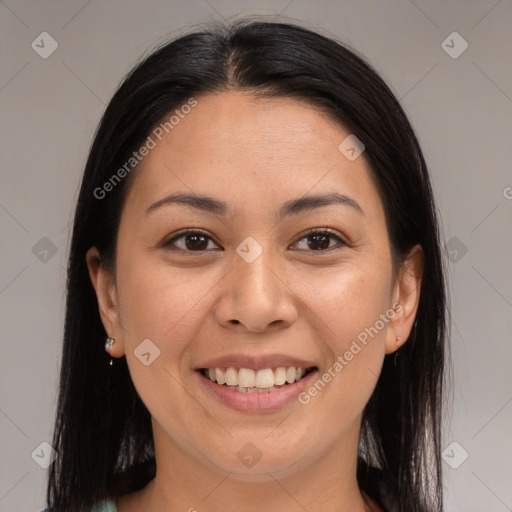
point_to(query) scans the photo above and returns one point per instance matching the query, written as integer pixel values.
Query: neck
(327, 484)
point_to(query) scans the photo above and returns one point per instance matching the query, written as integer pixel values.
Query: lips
(255, 383)
(259, 401)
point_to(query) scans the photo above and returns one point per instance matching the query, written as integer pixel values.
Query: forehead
(239, 147)
(233, 123)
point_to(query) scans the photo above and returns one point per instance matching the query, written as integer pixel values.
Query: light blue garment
(104, 506)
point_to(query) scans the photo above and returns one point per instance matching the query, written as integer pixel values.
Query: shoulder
(104, 506)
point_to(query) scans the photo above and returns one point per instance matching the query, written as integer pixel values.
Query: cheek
(351, 306)
(166, 305)
(161, 302)
(346, 301)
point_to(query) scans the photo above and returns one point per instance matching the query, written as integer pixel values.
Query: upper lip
(256, 362)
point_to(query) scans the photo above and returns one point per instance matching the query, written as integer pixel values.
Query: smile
(257, 391)
(249, 380)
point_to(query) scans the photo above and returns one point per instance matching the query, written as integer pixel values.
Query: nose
(255, 296)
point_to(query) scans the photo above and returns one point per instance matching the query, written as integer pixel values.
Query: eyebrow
(291, 207)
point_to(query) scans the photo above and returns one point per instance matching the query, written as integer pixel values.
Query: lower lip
(256, 402)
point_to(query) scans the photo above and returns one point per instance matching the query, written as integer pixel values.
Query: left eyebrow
(291, 207)
(307, 203)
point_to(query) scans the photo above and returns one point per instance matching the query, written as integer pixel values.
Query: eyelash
(310, 232)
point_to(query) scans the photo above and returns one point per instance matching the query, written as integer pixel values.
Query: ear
(106, 293)
(405, 299)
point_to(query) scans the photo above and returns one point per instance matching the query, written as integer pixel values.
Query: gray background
(462, 111)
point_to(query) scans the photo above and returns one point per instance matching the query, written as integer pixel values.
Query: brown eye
(320, 240)
(190, 241)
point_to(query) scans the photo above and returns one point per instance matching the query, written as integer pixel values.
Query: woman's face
(250, 288)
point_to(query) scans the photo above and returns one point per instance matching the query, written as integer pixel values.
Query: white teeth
(245, 378)
(291, 373)
(220, 376)
(249, 380)
(231, 377)
(279, 376)
(264, 378)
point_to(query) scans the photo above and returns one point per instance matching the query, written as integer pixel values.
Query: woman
(256, 247)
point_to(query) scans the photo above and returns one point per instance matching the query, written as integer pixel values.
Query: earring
(109, 344)
(108, 347)
(398, 340)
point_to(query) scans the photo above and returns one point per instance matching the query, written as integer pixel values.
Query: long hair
(103, 430)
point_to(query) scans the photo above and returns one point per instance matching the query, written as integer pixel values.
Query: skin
(254, 154)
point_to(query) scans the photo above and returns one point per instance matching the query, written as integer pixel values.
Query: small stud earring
(109, 344)
(398, 340)
(108, 347)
